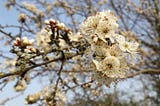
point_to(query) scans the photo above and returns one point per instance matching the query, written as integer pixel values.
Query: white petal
(133, 46)
(97, 64)
(122, 46)
(119, 38)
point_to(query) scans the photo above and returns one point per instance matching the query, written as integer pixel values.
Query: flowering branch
(22, 72)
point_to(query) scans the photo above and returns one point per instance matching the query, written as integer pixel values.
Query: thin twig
(8, 34)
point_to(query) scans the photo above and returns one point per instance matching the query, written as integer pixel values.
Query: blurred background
(138, 20)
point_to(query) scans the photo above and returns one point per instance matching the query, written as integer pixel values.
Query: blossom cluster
(108, 49)
(55, 35)
(23, 46)
(46, 95)
(30, 7)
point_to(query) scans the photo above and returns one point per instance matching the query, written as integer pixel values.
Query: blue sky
(10, 18)
(7, 17)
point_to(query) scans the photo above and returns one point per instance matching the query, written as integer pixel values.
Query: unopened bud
(22, 18)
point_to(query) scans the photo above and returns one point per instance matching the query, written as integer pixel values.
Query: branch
(81, 85)
(149, 71)
(8, 34)
(22, 73)
(57, 82)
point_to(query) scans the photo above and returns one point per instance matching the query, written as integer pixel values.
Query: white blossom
(108, 67)
(32, 98)
(99, 47)
(63, 44)
(119, 38)
(22, 17)
(43, 38)
(30, 7)
(89, 25)
(104, 23)
(75, 37)
(130, 47)
(20, 86)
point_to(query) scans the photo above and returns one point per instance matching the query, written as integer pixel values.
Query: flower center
(106, 30)
(109, 66)
(126, 45)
